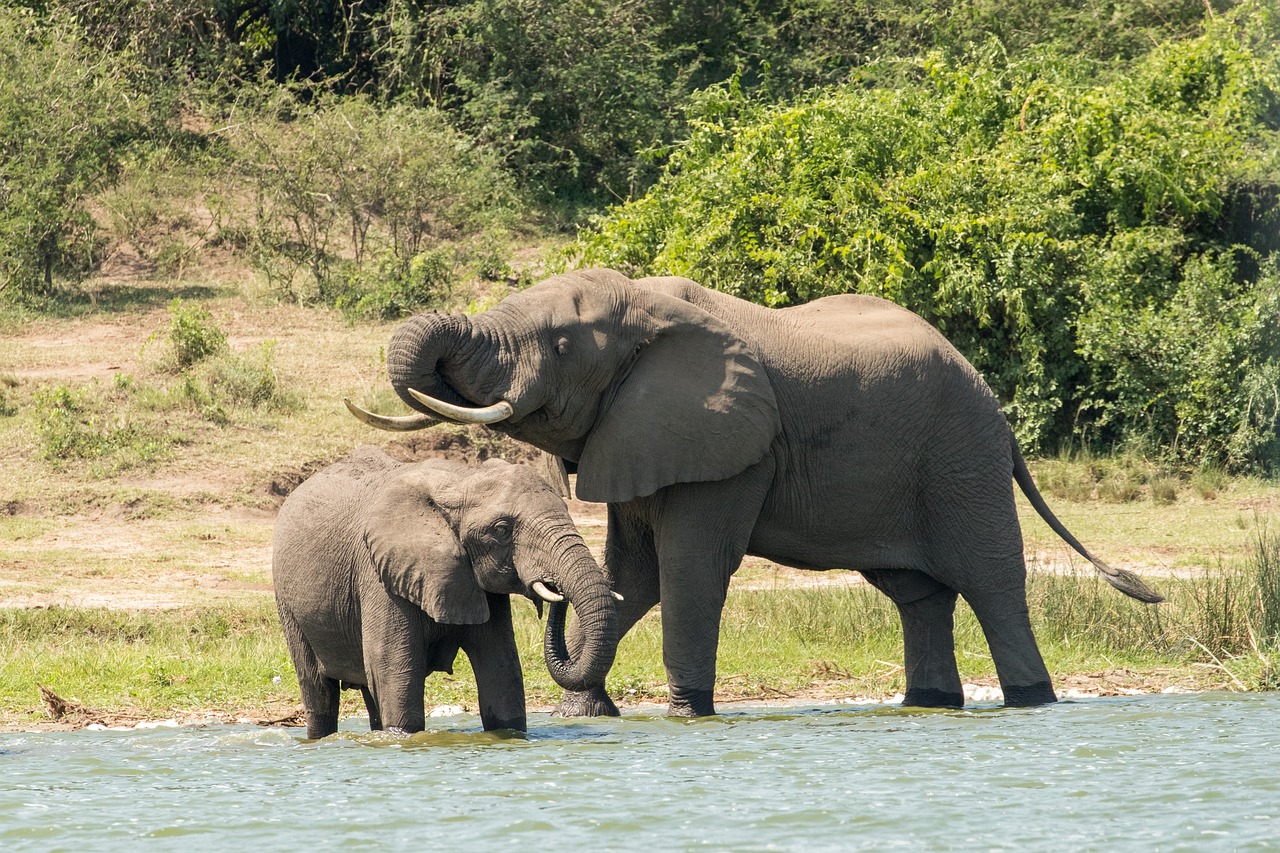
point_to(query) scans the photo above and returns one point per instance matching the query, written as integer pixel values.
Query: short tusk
(407, 423)
(617, 596)
(499, 411)
(545, 593)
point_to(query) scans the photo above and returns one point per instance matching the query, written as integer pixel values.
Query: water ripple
(1194, 772)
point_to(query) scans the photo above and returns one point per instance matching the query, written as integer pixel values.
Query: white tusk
(406, 423)
(618, 596)
(546, 594)
(499, 411)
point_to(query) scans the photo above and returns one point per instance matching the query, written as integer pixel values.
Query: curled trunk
(596, 611)
(419, 350)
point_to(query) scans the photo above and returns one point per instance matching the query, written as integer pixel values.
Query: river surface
(1189, 772)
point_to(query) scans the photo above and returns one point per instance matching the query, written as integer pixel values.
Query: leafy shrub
(193, 335)
(1106, 254)
(237, 380)
(248, 379)
(345, 179)
(65, 112)
(399, 289)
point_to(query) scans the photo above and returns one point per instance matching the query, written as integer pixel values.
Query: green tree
(1031, 213)
(65, 114)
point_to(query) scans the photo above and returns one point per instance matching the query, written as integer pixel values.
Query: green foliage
(397, 289)
(1084, 244)
(65, 113)
(94, 424)
(344, 179)
(193, 335)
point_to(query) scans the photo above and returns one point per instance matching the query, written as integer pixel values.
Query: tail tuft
(1129, 583)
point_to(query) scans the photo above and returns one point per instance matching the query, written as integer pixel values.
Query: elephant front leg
(491, 648)
(927, 608)
(701, 534)
(395, 661)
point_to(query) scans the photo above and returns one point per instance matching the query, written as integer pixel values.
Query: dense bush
(345, 180)
(65, 115)
(584, 97)
(1105, 254)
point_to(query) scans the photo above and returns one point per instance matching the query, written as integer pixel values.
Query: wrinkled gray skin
(384, 570)
(845, 433)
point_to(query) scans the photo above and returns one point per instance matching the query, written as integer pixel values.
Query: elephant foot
(930, 697)
(590, 703)
(691, 702)
(1040, 693)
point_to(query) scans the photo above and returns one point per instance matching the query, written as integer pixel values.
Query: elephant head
(637, 387)
(442, 541)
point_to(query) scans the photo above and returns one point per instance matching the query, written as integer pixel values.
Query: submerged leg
(927, 609)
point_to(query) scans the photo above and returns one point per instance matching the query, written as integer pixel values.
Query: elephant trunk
(420, 352)
(587, 590)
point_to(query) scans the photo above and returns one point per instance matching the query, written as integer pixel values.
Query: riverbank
(69, 715)
(136, 523)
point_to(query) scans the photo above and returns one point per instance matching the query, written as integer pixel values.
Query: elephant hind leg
(320, 695)
(371, 705)
(1006, 624)
(927, 609)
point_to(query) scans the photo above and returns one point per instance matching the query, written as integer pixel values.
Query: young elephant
(384, 570)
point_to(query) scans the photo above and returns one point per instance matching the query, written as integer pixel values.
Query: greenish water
(1184, 772)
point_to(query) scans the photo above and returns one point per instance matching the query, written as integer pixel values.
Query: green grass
(1216, 630)
(150, 662)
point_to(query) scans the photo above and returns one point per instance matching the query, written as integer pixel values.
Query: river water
(1189, 772)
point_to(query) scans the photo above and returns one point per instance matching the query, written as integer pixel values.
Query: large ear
(416, 551)
(697, 405)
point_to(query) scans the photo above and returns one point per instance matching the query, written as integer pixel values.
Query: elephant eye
(562, 346)
(502, 528)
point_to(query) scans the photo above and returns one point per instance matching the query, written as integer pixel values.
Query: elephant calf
(384, 570)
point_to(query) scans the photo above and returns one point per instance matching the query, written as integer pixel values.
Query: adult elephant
(845, 433)
(383, 571)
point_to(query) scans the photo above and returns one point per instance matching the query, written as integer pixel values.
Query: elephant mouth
(545, 590)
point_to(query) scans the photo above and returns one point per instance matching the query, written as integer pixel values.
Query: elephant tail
(1127, 582)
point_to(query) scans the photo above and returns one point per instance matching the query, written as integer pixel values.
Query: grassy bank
(141, 484)
(1217, 631)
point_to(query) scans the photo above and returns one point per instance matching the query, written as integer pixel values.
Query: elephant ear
(417, 553)
(696, 405)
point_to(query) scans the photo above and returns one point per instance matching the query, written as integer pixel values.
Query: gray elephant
(384, 570)
(844, 433)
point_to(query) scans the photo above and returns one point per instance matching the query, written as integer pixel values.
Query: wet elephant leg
(395, 661)
(320, 695)
(927, 609)
(495, 661)
(632, 564)
(1007, 626)
(701, 533)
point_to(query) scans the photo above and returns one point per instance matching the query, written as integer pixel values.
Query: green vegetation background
(1085, 197)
